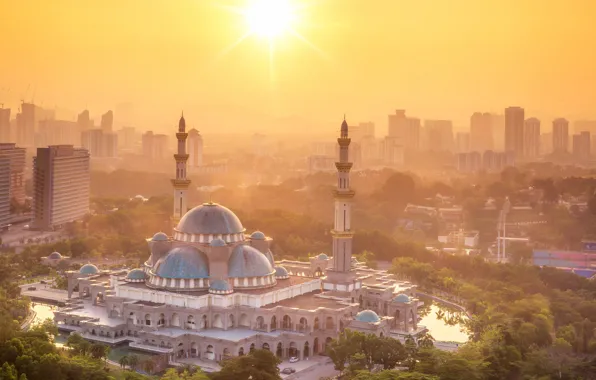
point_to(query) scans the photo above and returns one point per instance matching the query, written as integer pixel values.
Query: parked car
(294, 359)
(43, 282)
(32, 288)
(288, 371)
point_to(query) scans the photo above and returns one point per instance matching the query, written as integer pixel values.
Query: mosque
(211, 290)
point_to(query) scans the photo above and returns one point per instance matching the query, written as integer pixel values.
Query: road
(18, 232)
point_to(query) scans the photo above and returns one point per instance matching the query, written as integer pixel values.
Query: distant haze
(148, 60)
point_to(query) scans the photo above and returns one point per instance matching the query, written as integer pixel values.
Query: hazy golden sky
(435, 58)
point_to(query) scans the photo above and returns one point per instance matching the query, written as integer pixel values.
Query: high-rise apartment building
(5, 127)
(57, 132)
(195, 148)
(481, 132)
(4, 192)
(361, 131)
(532, 138)
(84, 121)
(60, 185)
(127, 138)
(560, 136)
(498, 127)
(154, 146)
(462, 142)
(514, 130)
(100, 144)
(546, 143)
(16, 157)
(107, 122)
(581, 146)
(406, 129)
(439, 135)
(26, 125)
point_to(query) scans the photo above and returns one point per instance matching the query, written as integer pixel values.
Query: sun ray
(305, 40)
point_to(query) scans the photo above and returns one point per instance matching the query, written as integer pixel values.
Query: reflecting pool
(444, 323)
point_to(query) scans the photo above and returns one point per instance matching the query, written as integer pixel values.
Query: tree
(133, 361)
(257, 365)
(148, 366)
(123, 361)
(426, 340)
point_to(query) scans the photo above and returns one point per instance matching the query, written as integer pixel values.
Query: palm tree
(426, 340)
(106, 352)
(133, 361)
(149, 366)
(123, 361)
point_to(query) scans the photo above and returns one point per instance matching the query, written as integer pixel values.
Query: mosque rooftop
(308, 301)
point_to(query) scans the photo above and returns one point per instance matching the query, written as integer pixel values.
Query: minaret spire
(180, 183)
(341, 276)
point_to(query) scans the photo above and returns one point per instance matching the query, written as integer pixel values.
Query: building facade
(60, 186)
(514, 130)
(481, 132)
(531, 138)
(560, 136)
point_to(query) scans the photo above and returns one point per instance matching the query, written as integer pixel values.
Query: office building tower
(100, 144)
(392, 151)
(107, 122)
(361, 131)
(514, 130)
(195, 148)
(439, 135)
(462, 142)
(5, 217)
(581, 146)
(57, 132)
(481, 132)
(532, 138)
(16, 157)
(127, 138)
(60, 185)
(5, 127)
(406, 129)
(154, 146)
(560, 136)
(26, 125)
(84, 122)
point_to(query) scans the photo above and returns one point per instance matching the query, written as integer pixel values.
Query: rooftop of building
(309, 301)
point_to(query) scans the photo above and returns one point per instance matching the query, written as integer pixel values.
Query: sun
(269, 18)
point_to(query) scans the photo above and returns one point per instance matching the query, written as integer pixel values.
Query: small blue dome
(281, 272)
(367, 316)
(183, 262)
(220, 285)
(323, 256)
(160, 236)
(54, 256)
(136, 274)
(257, 235)
(247, 261)
(88, 269)
(402, 298)
(217, 242)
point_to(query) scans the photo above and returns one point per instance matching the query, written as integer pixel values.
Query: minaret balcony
(181, 183)
(344, 141)
(343, 166)
(181, 157)
(344, 234)
(343, 194)
(181, 135)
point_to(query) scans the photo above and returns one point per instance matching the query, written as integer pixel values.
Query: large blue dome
(88, 269)
(210, 219)
(183, 262)
(247, 261)
(367, 316)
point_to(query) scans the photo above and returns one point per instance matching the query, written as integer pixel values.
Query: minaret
(181, 183)
(341, 276)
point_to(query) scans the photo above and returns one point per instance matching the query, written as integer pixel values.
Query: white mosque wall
(235, 299)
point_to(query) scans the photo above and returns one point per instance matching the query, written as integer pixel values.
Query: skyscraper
(560, 136)
(514, 130)
(581, 146)
(439, 135)
(16, 157)
(532, 138)
(4, 192)
(195, 148)
(107, 121)
(406, 129)
(100, 144)
(26, 125)
(84, 122)
(462, 142)
(481, 132)
(180, 183)
(60, 185)
(5, 130)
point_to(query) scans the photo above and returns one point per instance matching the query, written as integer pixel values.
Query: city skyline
(462, 58)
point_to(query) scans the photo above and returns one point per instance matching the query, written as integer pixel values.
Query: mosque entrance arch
(280, 351)
(315, 346)
(293, 351)
(306, 351)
